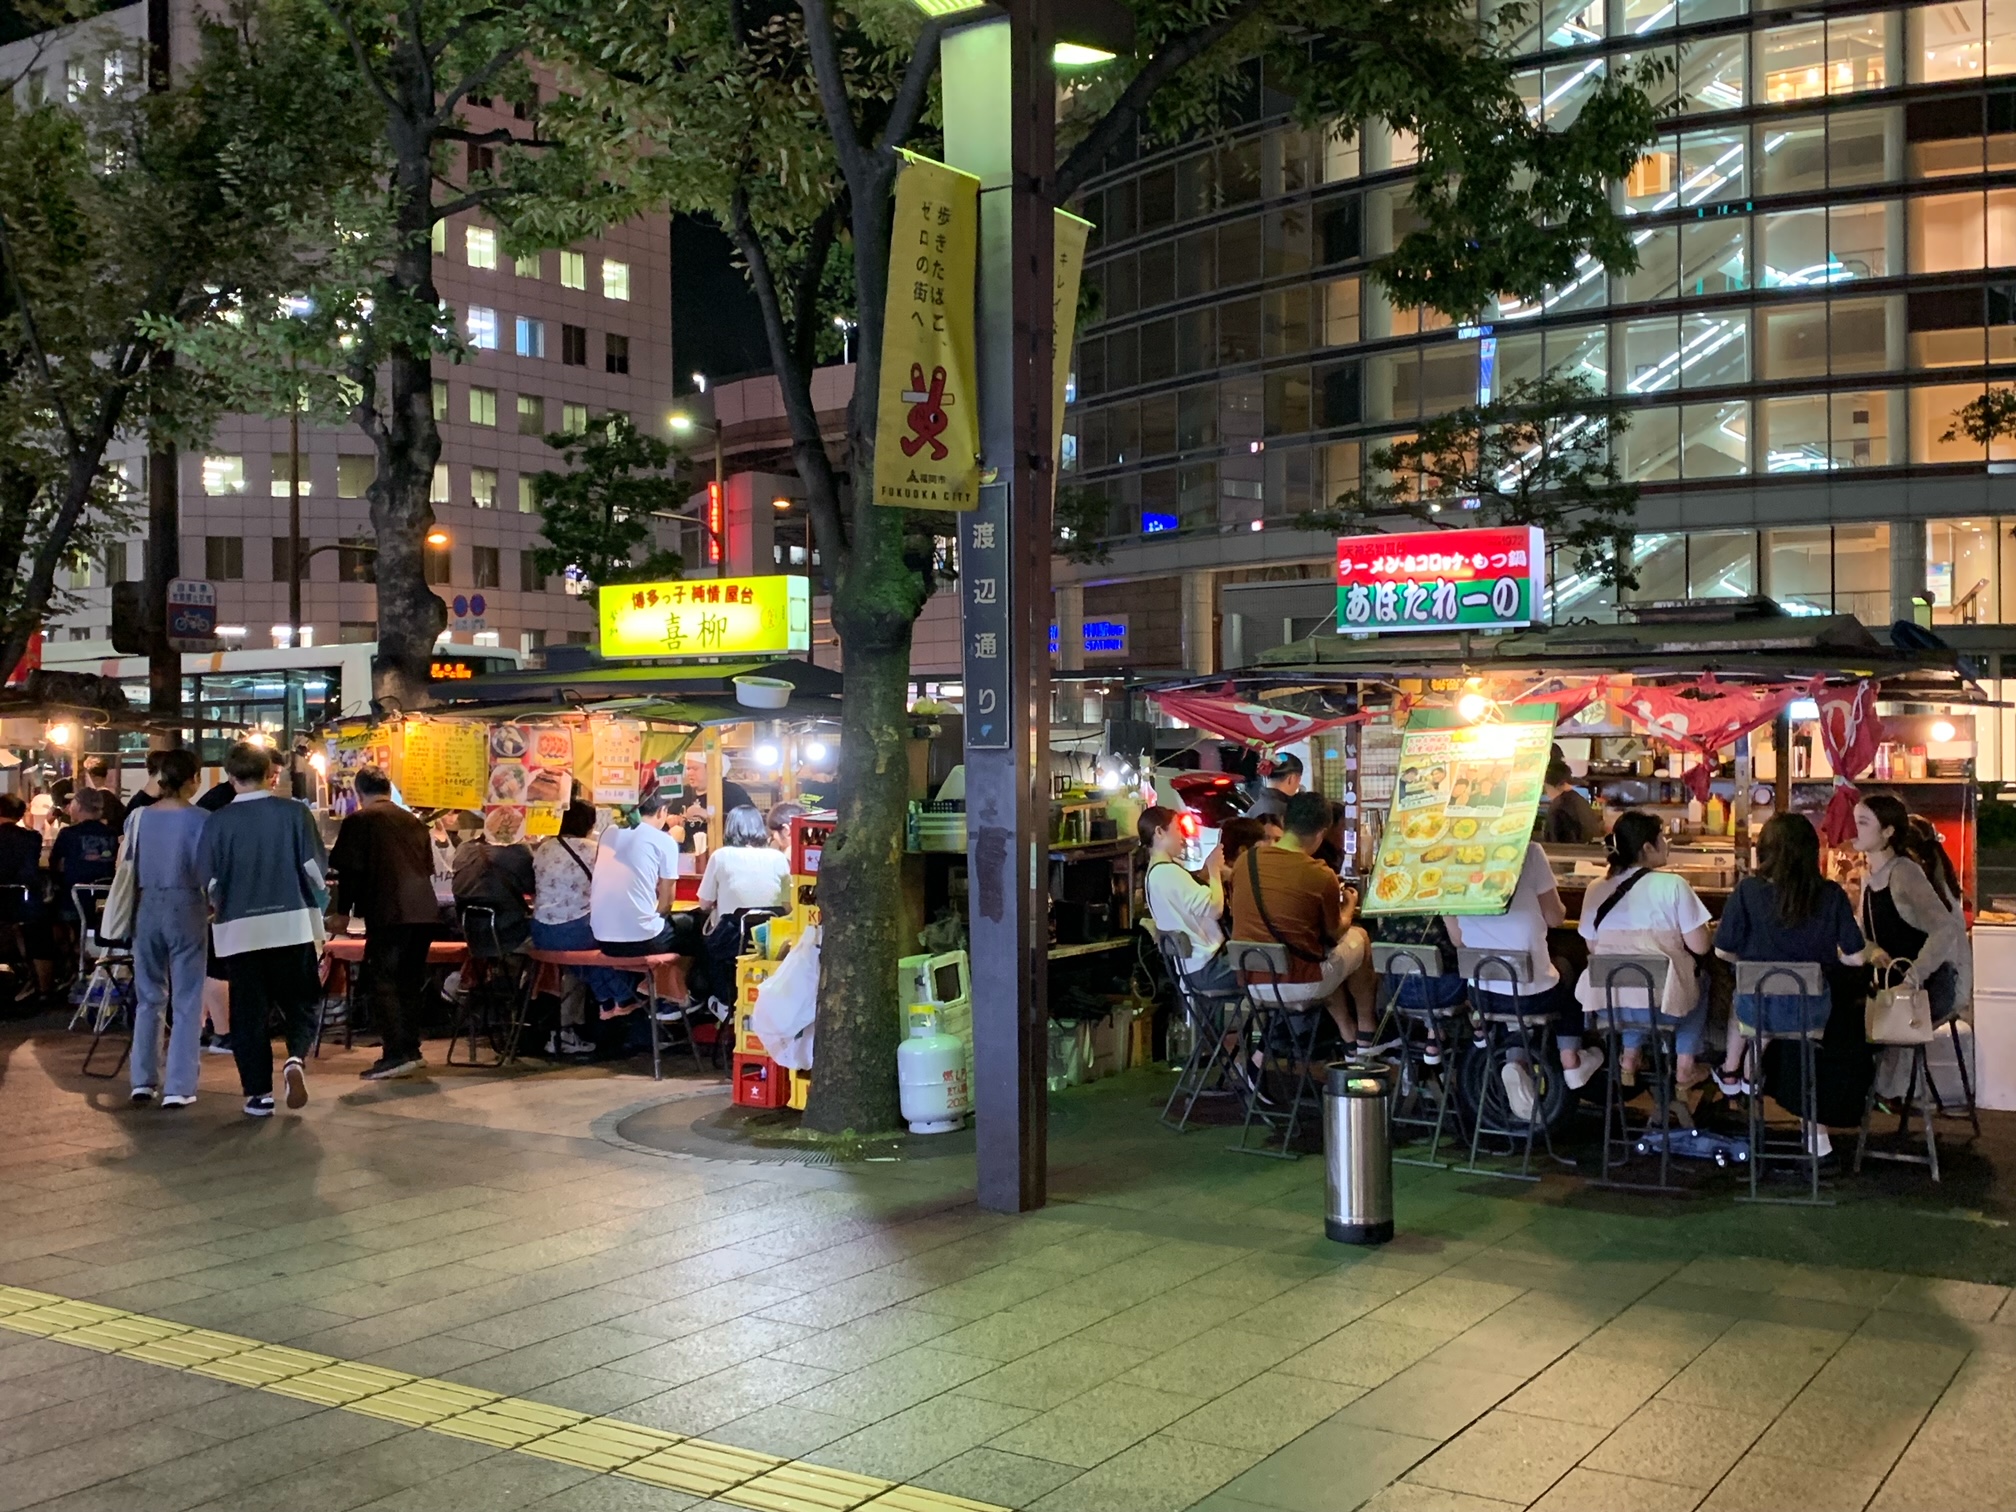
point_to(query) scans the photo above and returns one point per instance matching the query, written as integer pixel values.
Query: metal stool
(1623, 973)
(107, 969)
(1814, 1005)
(1271, 1023)
(1930, 1159)
(1967, 1107)
(482, 1000)
(1212, 1015)
(1500, 1032)
(1416, 1028)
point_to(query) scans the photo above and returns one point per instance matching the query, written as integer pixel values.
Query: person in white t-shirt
(632, 890)
(1180, 902)
(1641, 910)
(1535, 908)
(747, 872)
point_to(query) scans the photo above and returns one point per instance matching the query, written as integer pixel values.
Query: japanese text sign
(446, 764)
(707, 617)
(1488, 579)
(927, 451)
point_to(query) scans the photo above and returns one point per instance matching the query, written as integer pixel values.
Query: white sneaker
(140, 1096)
(178, 1100)
(1817, 1142)
(1518, 1090)
(575, 1044)
(294, 1077)
(1588, 1062)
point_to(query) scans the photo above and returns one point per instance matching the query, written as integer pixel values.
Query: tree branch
(496, 134)
(475, 80)
(805, 299)
(855, 161)
(362, 55)
(1172, 58)
(915, 89)
(33, 338)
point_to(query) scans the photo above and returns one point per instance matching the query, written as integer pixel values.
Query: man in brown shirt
(1284, 895)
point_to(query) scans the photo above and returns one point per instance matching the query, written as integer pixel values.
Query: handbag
(1898, 1013)
(122, 899)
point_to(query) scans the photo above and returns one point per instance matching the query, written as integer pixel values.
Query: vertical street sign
(985, 594)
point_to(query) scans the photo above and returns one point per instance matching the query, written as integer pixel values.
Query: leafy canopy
(597, 514)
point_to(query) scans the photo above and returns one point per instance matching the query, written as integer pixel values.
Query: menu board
(619, 752)
(1464, 802)
(531, 781)
(446, 764)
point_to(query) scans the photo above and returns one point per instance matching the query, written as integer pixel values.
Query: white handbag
(1898, 1012)
(122, 899)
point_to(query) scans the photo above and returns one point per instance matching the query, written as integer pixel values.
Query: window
(487, 638)
(438, 238)
(531, 415)
(1792, 343)
(574, 345)
(440, 399)
(573, 270)
(531, 337)
(480, 243)
(483, 567)
(1959, 42)
(438, 491)
(482, 159)
(528, 265)
(282, 470)
(437, 564)
(530, 578)
(483, 488)
(528, 495)
(531, 640)
(1340, 312)
(615, 279)
(482, 327)
(115, 562)
(79, 633)
(482, 406)
(283, 558)
(224, 558)
(354, 475)
(355, 632)
(223, 475)
(79, 574)
(356, 562)
(574, 418)
(76, 79)
(1960, 570)
(615, 353)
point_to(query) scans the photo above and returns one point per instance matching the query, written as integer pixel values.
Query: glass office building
(1826, 231)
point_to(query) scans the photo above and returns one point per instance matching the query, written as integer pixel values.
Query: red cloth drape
(1255, 724)
(1704, 725)
(1850, 732)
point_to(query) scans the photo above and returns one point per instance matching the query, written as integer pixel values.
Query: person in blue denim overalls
(170, 926)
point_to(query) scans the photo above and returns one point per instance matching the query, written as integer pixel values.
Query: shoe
(1818, 1142)
(1370, 1045)
(1587, 1064)
(385, 1068)
(1732, 1086)
(1431, 1053)
(178, 1099)
(1518, 1090)
(219, 1045)
(141, 1096)
(260, 1106)
(672, 1015)
(294, 1077)
(575, 1044)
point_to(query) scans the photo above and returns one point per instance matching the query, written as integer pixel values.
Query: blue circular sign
(477, 606)
(461, 607)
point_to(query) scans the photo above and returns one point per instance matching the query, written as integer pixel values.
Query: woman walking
(171, 926)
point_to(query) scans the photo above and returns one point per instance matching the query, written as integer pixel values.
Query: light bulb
(1942, 730)
(815, 750)
(766, 755)
(1471, 707)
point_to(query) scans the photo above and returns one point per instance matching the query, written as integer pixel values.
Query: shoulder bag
(122, 899)
(1260, 902)
(1898, 1012)
(1603, 910)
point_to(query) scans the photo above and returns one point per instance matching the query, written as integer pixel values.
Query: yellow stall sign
(446, 764)
(753, 616)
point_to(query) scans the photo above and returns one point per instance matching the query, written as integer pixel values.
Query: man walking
(384, 866)
(264, 868)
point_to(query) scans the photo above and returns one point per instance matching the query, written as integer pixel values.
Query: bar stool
(1416, 1027)
(106, 967)
(491, 1005)
(1284, 1031)
(1967, 1106)
(1920, 1072)
(1501, 973)
(1213, 1015)
(1800, 1016)
(1615, 974)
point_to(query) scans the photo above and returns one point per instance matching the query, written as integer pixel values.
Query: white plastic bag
(788, 1003)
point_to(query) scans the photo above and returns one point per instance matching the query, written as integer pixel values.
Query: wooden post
(715, 816)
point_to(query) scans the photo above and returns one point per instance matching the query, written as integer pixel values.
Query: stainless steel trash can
(1358, 1152)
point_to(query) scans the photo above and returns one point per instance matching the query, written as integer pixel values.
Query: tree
(598, 513)
(1990, 418)
(128, 216)
(784, 124)
(1542, 454)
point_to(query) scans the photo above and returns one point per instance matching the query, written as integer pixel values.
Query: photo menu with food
(1463, 810)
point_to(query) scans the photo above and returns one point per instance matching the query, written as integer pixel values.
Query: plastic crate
(746, 1043)
(801, 1089)
(760, 1082)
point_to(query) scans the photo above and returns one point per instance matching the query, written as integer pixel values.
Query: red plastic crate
(760, 1082)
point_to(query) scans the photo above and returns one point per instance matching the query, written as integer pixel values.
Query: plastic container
(760, 1082)
(800, 1090)
(931, 1078)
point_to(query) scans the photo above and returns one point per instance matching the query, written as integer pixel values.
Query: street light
(683, 423)
(435, 537)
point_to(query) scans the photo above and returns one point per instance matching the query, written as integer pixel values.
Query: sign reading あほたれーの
(1487, 579)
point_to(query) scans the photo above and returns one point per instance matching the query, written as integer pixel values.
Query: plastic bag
(787, 1005)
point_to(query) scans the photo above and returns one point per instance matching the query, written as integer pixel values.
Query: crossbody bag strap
(575, 856)
(1603, 911)
(1260, 902)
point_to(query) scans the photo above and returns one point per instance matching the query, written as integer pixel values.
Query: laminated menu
(1464, 801)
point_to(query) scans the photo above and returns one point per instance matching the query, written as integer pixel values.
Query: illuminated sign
(715, 519)
(1102, 637)
(753, 616)
(1488, 579)
(1155, 524)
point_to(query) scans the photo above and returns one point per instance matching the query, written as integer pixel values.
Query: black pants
(395, 977)
(264, 983)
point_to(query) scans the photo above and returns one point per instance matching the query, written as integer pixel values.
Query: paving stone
(1506, 1455)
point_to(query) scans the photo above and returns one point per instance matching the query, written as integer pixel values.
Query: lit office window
(482, 406)
(480, 244)
(483, 489)
(573, 270)
(223, 475)
(615, 279)
(481, 324)
(531, 337)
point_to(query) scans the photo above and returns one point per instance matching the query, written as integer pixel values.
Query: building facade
(551, 339)
(1826, 231)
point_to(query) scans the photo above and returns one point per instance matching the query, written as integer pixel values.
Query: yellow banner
(447, 764)
(927, 426)
(1068, 234)
(753, 616)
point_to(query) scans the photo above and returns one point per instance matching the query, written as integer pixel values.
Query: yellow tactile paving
(610, 1446)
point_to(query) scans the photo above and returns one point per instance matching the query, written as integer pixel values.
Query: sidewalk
(1173, 1331)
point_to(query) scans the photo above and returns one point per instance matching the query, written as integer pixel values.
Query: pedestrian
(384, 873)
(98, 778)
(264, 869)
(150, 790)
(169, 925)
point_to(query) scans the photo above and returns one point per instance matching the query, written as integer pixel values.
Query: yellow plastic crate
(801, 1090)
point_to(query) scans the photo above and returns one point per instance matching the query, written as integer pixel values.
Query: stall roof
(598, 681)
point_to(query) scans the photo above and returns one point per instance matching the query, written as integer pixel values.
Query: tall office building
(1826, 230)
(551, 339)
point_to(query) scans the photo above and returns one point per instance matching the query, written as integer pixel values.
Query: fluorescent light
(948, 7)
(1078, 55)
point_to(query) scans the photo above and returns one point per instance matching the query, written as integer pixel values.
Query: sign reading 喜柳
(753, 616)
(1486, 579)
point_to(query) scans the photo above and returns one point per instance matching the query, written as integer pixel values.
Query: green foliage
(598, 513)
(1078, 523)
(1542, 454)
(1992, 417)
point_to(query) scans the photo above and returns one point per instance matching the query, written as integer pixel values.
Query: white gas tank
(931, 1078)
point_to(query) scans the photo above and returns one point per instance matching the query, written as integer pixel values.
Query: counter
(1995, 1016)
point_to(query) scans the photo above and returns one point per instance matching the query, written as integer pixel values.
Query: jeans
(168, 933)
(1215, 975)
(603, 984)
(1557, 1002)
(395, 976)
(281, 981)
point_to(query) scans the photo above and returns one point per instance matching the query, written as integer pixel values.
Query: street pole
(294, 504)
(164, 512)
(999, 125)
